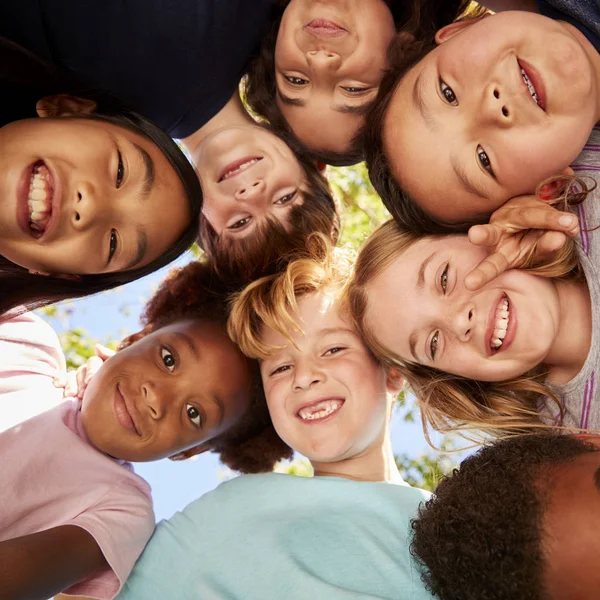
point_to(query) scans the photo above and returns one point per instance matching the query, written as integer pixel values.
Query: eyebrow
(189, 342)
(148, 168)
(330, 330)
(142, 246)
(219, 403)
(420, 284)
(291, 101)
(420, 102)
(354, 109)
(471, 185)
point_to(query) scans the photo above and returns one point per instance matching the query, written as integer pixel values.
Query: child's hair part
(450, 402)
(424, 17)
(21, 290)
(267, 249)
(486, 517)
(271, 301)
(196, 292)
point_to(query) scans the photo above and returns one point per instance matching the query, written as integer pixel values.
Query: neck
(232, 114)
(573, 339)
(373, 464)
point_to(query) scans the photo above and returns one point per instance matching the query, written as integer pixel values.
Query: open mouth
(533, 84)
(239, 166)
(324, 28)
(123, 413)
(320, 410)
(39, 199)
(502, 320)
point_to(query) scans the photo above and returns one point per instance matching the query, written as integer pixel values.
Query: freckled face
(176, 388)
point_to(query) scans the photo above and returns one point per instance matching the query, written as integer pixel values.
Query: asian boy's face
(571, 527)
(175, 389)
(327, 397)
(500, 105)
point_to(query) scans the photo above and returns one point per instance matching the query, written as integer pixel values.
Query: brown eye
(296, 80)
(433, 344)
(448, 93)
(484, 160)
(193, 415)
(112, 247)
(167, 358)
(120, 171)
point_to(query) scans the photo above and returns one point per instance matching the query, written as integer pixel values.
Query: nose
(87, 206)
(250, 190)
(497, 108)
(306, 375)
(323, 60)
(155, 399)
(462, 322)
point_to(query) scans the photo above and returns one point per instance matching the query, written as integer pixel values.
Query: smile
(239, 166)
(40, 197)
(502, 326)
(533, 84)
(320, 410)
(324, 29)
(501, 323)
(123, 413)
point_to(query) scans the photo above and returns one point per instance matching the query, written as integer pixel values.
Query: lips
(325, 29)
(536, 82)
(124, 412)
(320, 410)
(236, 167)
(495, 317)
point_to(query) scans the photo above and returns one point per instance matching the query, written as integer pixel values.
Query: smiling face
(419, 308)
(329, 60)
(327, 398)
(247, 174)
(500, 105)
(178, 387)
(81, 196)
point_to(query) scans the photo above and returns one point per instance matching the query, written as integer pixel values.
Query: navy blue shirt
(175, 61)
(582, 14)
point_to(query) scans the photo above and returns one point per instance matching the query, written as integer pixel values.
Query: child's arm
(45, 563)
(521, 225)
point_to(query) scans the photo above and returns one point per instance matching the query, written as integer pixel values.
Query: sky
(115, 314)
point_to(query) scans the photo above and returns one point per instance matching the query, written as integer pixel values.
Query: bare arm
(39, 565)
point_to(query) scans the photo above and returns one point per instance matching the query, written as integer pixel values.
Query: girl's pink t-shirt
(50, 474)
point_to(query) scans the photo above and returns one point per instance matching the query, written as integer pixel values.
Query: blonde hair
(271, 301)
(450, 402)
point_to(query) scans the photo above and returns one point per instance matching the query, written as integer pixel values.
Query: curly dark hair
(269, 248)
(423, 17)
(480, 536)
(196, 292)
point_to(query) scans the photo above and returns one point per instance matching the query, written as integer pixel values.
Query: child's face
(91, 207)
(419, 308)
(572, 528)
(247, 175)
(174, 389)
(327, 398)
(464, 133)
(329, 60)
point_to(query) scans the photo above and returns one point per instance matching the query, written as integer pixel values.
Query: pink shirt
(52, 476)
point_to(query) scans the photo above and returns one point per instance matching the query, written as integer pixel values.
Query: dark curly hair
(196, 292)
(270, 247)
(480, 536)
(423, 17)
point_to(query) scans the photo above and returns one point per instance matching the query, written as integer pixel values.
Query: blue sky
(111, 316)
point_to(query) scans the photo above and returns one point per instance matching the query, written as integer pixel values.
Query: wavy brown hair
(450, 402)
(422, 17)
(196, 292)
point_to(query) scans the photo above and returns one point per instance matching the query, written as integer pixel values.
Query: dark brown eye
(167, 358)
(193, 415)
(120, 171)
(448, 93)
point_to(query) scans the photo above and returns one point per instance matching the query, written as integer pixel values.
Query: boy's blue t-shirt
(583, 14)
(278, 536)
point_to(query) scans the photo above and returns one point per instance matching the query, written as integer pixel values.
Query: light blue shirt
(281, 537)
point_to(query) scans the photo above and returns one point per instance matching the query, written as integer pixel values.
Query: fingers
(103, 352)
(537, 216)
(489, 268)
(70, 385)
(60, 380)
(549, 243)
(485, 235)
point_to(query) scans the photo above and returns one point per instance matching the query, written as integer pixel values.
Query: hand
(77, 381)
(522, 226)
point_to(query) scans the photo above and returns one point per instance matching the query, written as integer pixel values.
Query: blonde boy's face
(327, 398)
(464, 131)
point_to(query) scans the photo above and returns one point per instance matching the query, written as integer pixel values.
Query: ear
(199, 449)
(449, 31)
(135, 337)
(321, 166)
(591, 438)
(554, 188)
(69, 277)
(394, 381)
(64, 104)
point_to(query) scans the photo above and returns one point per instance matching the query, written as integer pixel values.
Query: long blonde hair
(450, 402)
(271, 301)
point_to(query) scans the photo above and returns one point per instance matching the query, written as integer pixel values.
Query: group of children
(479, 294)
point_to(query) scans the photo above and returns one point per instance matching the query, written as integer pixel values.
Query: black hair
(480, 537)
(28, 77)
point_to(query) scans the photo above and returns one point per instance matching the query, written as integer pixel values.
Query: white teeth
(530, 87)
(38, 194)
(242, 167)
(320, 410)
(39, 200)
(501, 324)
